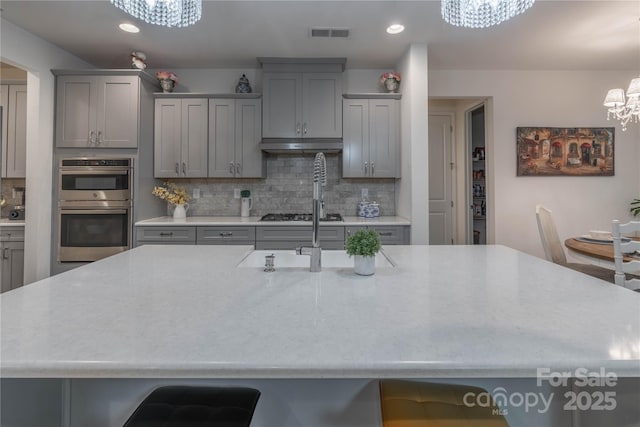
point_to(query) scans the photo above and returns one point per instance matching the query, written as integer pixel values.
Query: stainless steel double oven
(94, 208)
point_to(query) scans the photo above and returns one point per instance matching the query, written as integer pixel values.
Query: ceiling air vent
(330, 32)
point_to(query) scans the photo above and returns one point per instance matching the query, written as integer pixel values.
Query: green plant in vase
(635, 207)
(363, 245)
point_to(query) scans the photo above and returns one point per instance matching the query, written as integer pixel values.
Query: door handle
(99, 139)
(366, 167)
(5, 253)
(372, 169)
(184, 169)
(304, 128)
(231, 168)
(238, 169)
(91, 138)
(177, 169)
(298, 128)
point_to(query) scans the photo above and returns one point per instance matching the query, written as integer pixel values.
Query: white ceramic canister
(375, 209)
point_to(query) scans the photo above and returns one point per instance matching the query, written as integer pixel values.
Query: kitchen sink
(289, 259)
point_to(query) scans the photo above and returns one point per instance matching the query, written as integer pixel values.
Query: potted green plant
(363, 245)
(635, 207)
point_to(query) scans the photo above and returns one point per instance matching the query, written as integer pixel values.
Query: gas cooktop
(299, 217)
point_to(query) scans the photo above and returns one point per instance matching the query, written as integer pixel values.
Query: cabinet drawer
(226, 235)
(12, 234)
(389, 235)
(185, 235)
(299, 233)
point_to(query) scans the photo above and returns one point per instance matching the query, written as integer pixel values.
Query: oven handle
(94, 171)
(64, 211)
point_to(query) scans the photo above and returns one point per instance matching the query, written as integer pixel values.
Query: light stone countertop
(255, 220)
(444, 311)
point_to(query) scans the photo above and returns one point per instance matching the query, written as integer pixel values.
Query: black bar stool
(186, 406)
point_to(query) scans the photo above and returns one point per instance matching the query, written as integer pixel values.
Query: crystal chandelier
(618, 109)
(170, 13)
(482, 13)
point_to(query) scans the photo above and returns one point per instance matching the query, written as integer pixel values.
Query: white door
(441, 218)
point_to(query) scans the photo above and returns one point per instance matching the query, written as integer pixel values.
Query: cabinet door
(355, 151)
(117, 112)
(16, 152)
(282, 105)
(384, 138)
(222, 160)
(4, 103)
(321, 108)
(167, 134)
(76, 97)
(194, 137)
(248, 155)
(12, 265)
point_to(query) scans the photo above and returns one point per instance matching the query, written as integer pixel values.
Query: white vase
(167, 85)
(364, 265)
(391, 85)
(180, 212)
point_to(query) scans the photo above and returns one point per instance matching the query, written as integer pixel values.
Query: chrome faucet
(319, 182)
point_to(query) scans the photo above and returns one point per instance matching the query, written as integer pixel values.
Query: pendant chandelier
(169, 13)
(482, 13)
(621, 110)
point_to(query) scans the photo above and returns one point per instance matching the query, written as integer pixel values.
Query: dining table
(598, 252)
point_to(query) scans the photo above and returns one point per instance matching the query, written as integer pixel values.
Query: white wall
(547, 98)
(29, 52)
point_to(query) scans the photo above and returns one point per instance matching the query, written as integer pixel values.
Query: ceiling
(558, 35)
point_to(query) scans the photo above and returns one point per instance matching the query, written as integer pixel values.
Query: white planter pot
(364, 265)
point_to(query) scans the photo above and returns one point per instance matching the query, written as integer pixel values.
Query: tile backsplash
(288, 189)
(6, 189)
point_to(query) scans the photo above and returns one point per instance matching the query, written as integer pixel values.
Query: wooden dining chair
(554, 251)
(620, 247)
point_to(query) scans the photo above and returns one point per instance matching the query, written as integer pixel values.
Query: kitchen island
(441, 312)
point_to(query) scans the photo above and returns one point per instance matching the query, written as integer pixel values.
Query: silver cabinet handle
(99, 139)
(372, 168)
(385, 233)
(177, 169)
(226, 233)
(366, 167)
(5, 253)
(304, 128)
(91, 139)
(184, 169)
(231, 168)
(298, 128)
(167, 234)
(238, 169)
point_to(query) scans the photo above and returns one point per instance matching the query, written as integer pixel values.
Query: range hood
(301, 145)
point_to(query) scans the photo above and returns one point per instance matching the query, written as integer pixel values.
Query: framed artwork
(545, 151)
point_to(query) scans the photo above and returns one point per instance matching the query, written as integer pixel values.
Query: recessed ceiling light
(395, 29)
(129, 28)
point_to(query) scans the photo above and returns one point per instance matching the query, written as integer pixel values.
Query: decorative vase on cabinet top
(391, 85)
(180, 212)
(167, 85)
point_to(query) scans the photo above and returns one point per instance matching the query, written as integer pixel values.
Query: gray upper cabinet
(180, 138)
(13, 99)
(234, 138)
(302, 105)
(97, 111)
(371, 138)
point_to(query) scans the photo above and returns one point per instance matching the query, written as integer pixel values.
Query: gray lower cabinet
(226, 235)
(389, 234)
(156, 235)
(291, 237)
(12, 250)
